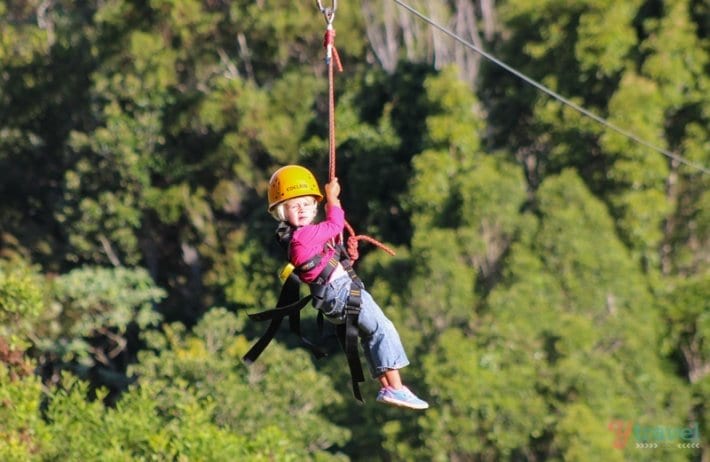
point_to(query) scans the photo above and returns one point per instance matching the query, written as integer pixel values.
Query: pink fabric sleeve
(309, 241)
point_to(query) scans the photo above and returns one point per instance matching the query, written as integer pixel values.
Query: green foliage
(431, 187)
(91, 303)
(465, 210)
(193, 402)
(455, 119)
(111, 296)
(588, 280)
(582, 435)
(21, 300)
(642, 204)
(606, 36)
(23, 433)
(558, 332)
(241, 279)
(677, 57)
(686, 309)
(288, 112)
(489, 404)
(256, 402)
(136, 429)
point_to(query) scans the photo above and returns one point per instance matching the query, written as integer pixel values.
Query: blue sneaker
(401, 398)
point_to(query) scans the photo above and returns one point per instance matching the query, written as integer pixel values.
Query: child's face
(300, 211)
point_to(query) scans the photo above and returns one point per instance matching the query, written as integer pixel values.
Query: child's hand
(332, 191)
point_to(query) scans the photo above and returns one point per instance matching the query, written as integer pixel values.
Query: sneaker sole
(402, 404)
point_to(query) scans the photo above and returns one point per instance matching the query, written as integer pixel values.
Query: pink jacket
(309, 241)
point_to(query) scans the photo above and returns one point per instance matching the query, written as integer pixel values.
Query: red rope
(333, 56)
(331, 52)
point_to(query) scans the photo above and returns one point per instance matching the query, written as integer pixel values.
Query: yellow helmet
(292, 181)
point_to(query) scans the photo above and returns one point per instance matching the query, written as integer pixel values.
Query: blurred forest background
(552, 277)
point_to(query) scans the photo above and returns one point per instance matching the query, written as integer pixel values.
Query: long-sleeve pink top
(310, 240)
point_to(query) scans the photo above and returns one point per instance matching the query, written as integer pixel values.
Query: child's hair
(278, 212)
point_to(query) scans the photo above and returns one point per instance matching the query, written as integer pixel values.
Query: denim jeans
(379, 338)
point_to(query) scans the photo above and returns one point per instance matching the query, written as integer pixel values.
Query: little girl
(293, 200)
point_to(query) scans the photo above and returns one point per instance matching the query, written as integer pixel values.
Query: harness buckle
(286, 272)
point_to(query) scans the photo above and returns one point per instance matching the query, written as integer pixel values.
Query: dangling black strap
(348, 334)
(295, 325)
(290, 304)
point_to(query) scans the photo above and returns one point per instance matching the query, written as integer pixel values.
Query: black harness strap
(352, 313)
(348, 333)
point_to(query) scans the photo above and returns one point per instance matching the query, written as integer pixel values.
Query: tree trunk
(396, 33)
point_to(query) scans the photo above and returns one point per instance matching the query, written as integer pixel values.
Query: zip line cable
(551, 93)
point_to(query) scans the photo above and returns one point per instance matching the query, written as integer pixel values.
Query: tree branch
(108, 250)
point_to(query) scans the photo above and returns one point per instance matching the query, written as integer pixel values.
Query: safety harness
(290, 305)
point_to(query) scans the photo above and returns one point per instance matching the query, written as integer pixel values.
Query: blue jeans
(379, 338)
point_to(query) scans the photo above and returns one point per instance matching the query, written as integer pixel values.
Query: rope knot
(329, 38)
(330, 50)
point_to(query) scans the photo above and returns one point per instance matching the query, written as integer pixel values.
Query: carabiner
(328, 13)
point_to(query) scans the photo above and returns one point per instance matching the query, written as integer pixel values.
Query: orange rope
(333, 56)
(329, 44)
